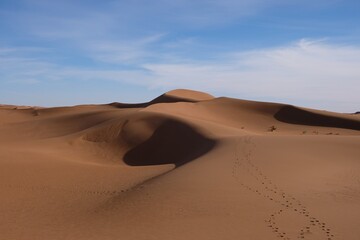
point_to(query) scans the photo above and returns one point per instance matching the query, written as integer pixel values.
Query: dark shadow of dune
(172, 142)
(161, 99)
(293, 115)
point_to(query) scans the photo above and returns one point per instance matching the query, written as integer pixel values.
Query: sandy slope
(182, 166)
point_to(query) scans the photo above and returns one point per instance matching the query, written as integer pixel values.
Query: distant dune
(185, 165)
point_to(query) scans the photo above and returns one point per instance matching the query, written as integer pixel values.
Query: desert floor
(182, 166)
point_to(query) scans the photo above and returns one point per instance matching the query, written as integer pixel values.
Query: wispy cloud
(200, 44)
(78, 21)
(122, 52)
(308, 72)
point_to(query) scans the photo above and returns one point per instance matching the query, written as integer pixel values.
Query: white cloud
(302, 72)
(122, 52)
(311, 73)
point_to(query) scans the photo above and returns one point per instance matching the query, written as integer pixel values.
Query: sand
(185, 165)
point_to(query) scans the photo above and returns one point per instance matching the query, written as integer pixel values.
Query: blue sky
(305, 52)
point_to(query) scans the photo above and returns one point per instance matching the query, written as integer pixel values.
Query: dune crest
(178, 95)
(190, 95)
(185, 165)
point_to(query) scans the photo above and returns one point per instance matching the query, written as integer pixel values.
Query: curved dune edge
(178, 95)
(150, 139)
(190, 95)
(185, 165)
(294, 115)
(172, 142)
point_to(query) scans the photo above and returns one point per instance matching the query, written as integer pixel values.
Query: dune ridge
(185, 165)
(179, 95)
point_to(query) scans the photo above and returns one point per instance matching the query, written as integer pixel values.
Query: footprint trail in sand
(250, 177)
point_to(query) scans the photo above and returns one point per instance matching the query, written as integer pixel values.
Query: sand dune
(185, 165)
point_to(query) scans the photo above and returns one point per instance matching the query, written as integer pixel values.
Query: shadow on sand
(172, 142)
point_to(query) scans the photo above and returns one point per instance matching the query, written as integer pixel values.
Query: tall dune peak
(187, 94)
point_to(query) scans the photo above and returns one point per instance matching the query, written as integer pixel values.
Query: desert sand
(185, 165)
